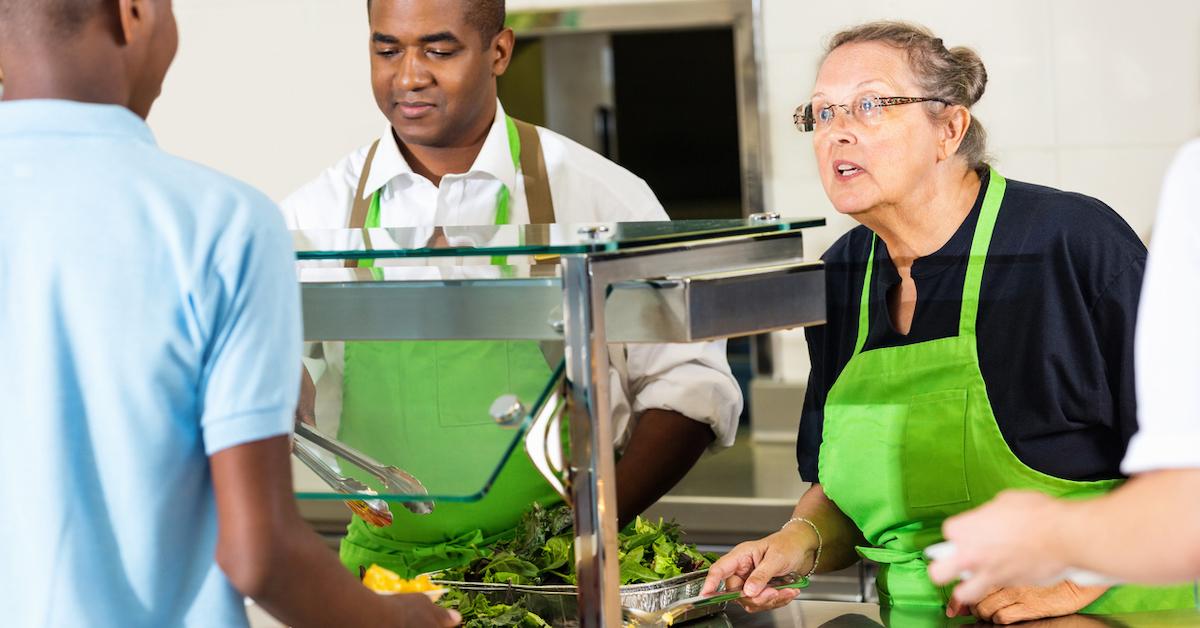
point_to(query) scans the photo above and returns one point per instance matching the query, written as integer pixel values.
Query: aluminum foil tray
(556, 603)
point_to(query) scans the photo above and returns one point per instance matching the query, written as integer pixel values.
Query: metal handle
(394, 480)
(327, 475)
(543, 443)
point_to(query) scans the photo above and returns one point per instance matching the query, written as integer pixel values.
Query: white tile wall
(270, 91)
(1126, 76)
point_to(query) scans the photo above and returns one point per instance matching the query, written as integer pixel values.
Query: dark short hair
(61, 17)
(486, 16)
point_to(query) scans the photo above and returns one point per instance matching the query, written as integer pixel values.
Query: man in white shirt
(1149, 529)
(450, 156)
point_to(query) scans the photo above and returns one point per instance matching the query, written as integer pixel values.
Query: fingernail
(454, 616)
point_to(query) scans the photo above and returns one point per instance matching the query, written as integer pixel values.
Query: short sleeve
(1168, 338)
(251, 374)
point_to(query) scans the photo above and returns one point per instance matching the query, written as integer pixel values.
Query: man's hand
(749, 566)
(1008, 541)
(1015, 604)
(306, 407)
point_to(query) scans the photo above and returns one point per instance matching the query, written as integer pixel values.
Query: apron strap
(864, 306)
(360, 206)
(533, 169)
(969, 313)
(527, 157)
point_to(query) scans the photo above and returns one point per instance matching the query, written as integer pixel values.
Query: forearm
(664, 446)
(1146, 531)
(839, 535)
(269, 553)
(305, 585)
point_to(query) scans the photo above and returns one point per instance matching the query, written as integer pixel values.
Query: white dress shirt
(691, 379)
(1168, 329)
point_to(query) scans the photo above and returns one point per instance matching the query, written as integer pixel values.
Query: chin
(850, 206)
(415, 132)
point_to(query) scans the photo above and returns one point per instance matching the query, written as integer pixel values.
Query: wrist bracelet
(820, 542)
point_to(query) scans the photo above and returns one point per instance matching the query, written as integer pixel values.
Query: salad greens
(477, 612)
(543, 551)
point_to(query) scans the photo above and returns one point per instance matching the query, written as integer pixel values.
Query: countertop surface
(814, 614)
(820, 614)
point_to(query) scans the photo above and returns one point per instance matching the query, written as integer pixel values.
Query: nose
(413, 75)
(842, 130)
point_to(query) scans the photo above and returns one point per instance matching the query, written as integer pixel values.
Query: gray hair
(956, 75)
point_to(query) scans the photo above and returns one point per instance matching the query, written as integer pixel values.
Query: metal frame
(587, 280)
(744, 16)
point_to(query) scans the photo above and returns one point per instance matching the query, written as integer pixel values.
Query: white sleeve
(691, 379)
(1168, 334)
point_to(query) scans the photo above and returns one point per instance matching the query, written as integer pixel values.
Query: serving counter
(573, 289)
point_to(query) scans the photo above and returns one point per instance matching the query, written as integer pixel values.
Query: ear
(135, 18)
(954, 131)
(501, 51)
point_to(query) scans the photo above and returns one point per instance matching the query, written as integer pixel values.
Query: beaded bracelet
(820, 542)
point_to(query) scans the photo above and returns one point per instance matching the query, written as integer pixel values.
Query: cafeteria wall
(1085, 95)
(1092, 96)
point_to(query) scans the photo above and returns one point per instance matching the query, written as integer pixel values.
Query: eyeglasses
(865, 109)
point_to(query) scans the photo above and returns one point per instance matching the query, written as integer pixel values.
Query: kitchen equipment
(393, 479)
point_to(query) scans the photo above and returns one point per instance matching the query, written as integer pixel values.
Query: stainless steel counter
(820, 614)
(813, 614)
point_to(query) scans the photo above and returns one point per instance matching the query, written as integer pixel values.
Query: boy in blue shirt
(149, 316)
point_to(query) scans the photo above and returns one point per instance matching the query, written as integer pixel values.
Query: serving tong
(395, 480)
(632, 617)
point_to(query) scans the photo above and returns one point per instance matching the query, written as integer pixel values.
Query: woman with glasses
(979, 339)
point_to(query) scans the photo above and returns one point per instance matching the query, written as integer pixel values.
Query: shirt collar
(494, 159)
(65, 117)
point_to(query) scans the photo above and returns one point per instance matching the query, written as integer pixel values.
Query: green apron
(910, 439)
(424, 407)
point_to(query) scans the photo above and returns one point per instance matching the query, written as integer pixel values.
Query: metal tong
(394, 480)
(633, 617)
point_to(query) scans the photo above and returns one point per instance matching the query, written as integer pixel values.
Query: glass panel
(412, 421)
(524, 240)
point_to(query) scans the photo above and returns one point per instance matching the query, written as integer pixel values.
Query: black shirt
(1055, 329)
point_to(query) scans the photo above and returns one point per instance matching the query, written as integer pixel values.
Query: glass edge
(519, 437)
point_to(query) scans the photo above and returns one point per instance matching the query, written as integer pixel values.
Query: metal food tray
(557, 603)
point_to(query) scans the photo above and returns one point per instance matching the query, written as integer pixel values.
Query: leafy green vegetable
(543, 552)
(477, 612)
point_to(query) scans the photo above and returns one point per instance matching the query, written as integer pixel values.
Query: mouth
(846, 170)
(414, 109)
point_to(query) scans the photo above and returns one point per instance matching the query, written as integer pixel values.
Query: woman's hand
(1008, 541)
(749, 566)
(1015, 604)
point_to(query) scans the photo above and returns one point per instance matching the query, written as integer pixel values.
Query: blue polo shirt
(149, 317)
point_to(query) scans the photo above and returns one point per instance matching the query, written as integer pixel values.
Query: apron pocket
(934, 456)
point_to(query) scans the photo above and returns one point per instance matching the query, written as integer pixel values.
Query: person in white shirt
(451, 156)
(1149, 529)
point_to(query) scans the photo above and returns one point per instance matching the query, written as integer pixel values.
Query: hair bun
(974, 74)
